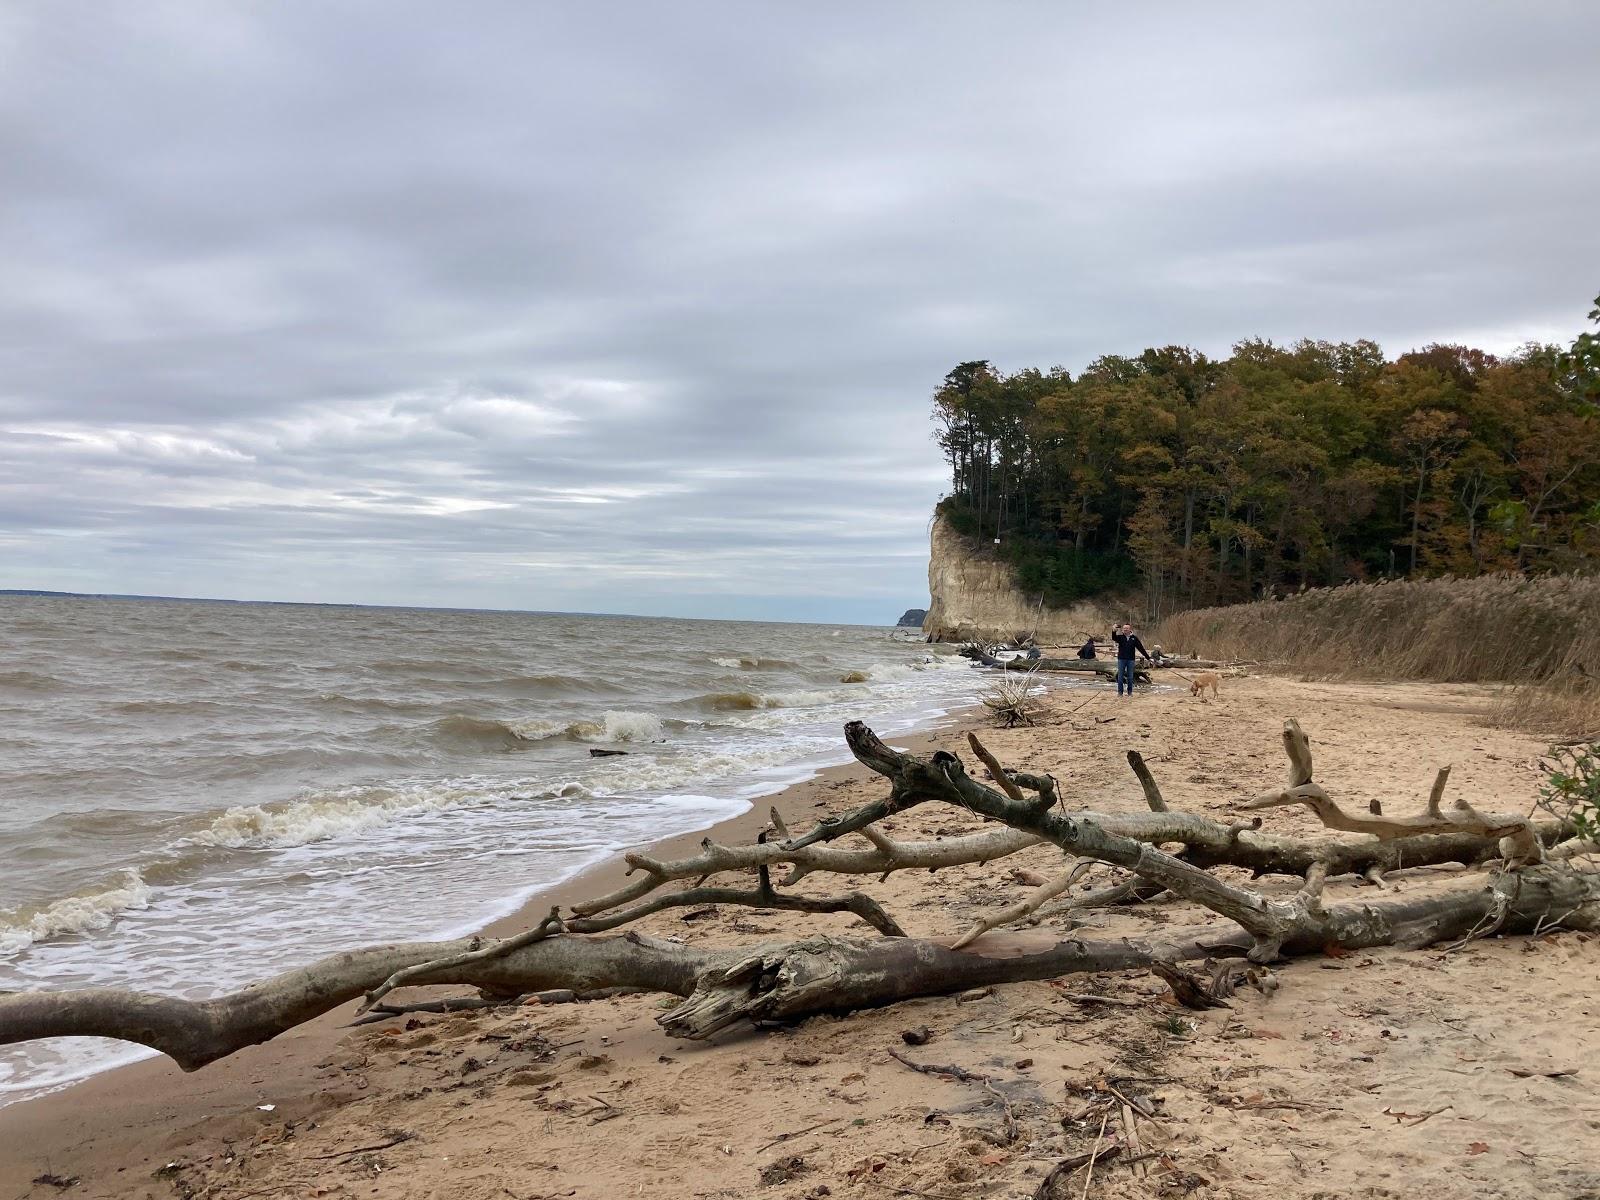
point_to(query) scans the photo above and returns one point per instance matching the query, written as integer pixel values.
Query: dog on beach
(1199, 684)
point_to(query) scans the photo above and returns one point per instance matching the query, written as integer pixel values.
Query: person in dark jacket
(1128, 644)
(1087, 649)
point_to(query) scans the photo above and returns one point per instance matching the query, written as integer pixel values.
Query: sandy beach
(1373, 1074)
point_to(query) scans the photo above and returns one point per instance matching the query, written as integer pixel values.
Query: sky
(637, 307)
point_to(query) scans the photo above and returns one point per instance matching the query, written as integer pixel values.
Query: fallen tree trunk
(1104, 667)
(778, 982)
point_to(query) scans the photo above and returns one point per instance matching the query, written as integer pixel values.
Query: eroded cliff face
(975, 598)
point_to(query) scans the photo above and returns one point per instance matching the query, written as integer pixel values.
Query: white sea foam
(86, 912)
(619, 727)
(332, 815)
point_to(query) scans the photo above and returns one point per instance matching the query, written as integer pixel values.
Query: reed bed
(1539, 636)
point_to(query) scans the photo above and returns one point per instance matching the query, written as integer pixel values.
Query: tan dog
(1199, 684)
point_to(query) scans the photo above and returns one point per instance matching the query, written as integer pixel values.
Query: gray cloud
(637, 307)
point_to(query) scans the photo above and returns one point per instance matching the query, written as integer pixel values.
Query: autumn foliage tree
(1207, 481)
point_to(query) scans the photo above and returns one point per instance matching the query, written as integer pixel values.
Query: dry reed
(1540, 636)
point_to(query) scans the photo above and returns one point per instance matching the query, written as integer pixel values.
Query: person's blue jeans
(1124, 675)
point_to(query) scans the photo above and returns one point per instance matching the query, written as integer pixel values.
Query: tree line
(1209, 481)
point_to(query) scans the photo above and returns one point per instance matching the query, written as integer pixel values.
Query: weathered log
(1103, 667)
(780, 982)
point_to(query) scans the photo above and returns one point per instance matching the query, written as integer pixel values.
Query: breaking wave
(619, 727)
(741, 701)
(340, 814)
(488, 733)
(86, 912)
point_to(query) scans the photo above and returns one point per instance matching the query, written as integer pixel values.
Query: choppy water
(193, 795)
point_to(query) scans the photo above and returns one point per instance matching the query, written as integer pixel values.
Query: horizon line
(533, 612)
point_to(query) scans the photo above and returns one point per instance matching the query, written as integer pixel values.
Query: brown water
(196, 794)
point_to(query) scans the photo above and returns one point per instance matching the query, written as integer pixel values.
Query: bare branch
(995, 769)
(886, 855)
(1147, 781)
(857, 903)
(1522, 841)
(1025, 907)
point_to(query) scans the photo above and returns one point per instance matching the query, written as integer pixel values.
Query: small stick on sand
(1094, 1152)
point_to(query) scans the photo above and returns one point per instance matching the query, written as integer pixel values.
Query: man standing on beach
(1128, 644)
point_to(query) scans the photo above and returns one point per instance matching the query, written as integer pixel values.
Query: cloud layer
(638, 307)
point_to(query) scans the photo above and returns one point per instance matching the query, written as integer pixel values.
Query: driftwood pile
(1535, 881)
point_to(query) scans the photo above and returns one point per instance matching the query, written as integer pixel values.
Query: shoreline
(110, 1113)
(1248, 1100)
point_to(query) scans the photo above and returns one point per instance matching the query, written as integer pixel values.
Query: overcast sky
(638, 307)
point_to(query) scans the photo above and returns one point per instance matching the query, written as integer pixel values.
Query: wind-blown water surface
(193, 795)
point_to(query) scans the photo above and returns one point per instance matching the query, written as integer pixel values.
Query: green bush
(1572, 787)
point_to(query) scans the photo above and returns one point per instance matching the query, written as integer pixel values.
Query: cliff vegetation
(1210, 481)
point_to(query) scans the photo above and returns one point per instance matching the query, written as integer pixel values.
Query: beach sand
(1374, 1074)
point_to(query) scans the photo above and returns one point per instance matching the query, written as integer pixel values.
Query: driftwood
(787, 981)
(1011, 698)
(1106, 668)
(1521, 840)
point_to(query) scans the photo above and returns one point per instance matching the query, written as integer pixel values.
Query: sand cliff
(975, 596)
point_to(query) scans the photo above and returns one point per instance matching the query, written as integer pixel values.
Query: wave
(182, 708)
(341, 813)
(652, 776)
(619, 727)
(372, 703)
(28, 681)
(485, 733)
(446, 669)
(85, 912)
(543, 684)
(492, 734)
(738, 701)
(753, 662)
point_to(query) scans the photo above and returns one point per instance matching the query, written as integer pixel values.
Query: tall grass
(1540, 636)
